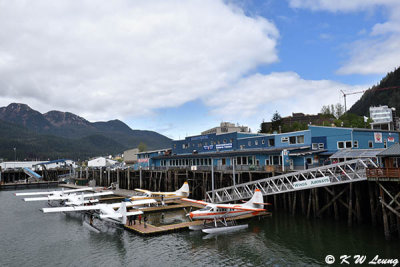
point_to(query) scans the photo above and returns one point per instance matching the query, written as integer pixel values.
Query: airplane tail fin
(122, 211)
(257, 200)
(183, 191)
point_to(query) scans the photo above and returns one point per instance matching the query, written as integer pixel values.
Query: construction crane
(351, 93)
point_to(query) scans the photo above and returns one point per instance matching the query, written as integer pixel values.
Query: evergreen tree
(276, 122)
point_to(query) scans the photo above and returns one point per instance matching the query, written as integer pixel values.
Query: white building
(131, 156)
(227, 127)
(101, 162)
(383, 117)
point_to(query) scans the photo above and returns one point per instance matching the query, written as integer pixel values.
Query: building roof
(356, 153)
(393, 150)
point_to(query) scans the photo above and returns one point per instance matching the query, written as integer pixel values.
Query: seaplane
(66, 197)
(107, 212)
(178, 194)
(218, 213)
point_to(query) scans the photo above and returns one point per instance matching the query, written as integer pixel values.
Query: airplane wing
(45, 198)
(54, 192)
(74, 208)
(119, 215)
(237, 207)
(65, 197)
(196, 201)
(134, 203)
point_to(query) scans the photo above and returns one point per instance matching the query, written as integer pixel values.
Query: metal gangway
(31, 173)
(328, 175)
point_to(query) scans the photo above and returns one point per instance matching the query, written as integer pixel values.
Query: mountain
(57, 134)
(387, 92)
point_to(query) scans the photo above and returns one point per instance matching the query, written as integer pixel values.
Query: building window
(384, 143)
(224, 141)
(355, 144)
(340, 144)
(174, 145)
(370, 144)
(249, 143)
(263, 141)
(314, 146)
(321, 145)
(292, 140)
(309, 161)
(271, 142)
(348, 144)
(300, 139)
(284, 139)
(256, 142)
(267, 162)
(239, 161)
(231, 140)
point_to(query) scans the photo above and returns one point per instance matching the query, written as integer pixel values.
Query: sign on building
(378, 137)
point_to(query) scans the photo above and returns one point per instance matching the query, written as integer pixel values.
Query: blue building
(267, 152)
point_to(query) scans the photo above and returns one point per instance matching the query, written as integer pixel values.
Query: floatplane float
(161, 196)
(218, 213)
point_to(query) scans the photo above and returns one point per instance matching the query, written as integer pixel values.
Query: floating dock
(150, 230)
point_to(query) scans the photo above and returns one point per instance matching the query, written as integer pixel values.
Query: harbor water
(30, 238)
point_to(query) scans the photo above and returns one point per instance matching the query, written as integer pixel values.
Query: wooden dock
(150, 230)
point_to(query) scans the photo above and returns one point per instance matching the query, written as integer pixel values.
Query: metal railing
(339, 173)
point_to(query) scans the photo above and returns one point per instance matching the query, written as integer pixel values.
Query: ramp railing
(328, 175)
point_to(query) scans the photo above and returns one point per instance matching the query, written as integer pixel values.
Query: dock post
(108, 177)
(372, 203)
(101, 176)
(140, 178)
(349, 219)
(384, 214)
(129, 178)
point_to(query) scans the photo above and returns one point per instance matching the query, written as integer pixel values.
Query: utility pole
(344, 96)
(212, 180)
(233, 171)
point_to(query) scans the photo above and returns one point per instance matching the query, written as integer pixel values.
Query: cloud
(259, 95)
(105, 59)
(376, 53)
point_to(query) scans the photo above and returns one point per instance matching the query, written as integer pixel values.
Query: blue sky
(182, 67)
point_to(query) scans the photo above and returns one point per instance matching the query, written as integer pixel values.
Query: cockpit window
(206, 208)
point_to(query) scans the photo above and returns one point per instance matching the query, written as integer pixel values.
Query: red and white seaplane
(218, 213)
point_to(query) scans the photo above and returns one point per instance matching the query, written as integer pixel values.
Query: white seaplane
(66, 197)
(218, 213)
(178, 194)
(107, 212)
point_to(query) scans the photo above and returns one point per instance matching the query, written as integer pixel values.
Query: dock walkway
(157, 230)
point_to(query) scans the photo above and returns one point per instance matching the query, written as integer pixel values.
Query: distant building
(384, 118)
(131, 156)
(301, 118)
(101, 162)
(227, 127)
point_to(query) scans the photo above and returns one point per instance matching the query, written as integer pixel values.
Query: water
(30, 238)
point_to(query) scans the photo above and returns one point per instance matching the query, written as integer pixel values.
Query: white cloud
(376, 53)
(105, 59)
(256, 97)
